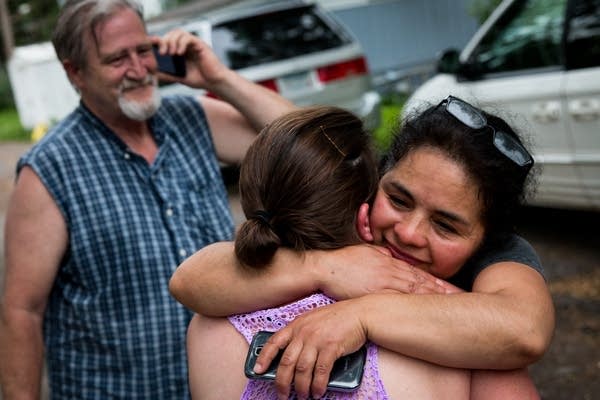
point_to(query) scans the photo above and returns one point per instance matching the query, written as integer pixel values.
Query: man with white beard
(110, 201)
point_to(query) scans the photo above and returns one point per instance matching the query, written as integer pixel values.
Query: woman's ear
(363, 227)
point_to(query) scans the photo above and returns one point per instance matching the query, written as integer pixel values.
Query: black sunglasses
(474, 118)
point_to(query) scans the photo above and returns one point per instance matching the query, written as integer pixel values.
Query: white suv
(293, 47)
(538, 63)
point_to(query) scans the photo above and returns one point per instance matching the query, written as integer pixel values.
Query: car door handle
(584, 109)
(546, 112)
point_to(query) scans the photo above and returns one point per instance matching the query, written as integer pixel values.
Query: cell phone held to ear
(169, 64)
(345, 376)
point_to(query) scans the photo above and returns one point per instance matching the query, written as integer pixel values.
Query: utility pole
(7, 32)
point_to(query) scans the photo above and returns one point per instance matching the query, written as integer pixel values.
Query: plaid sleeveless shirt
(111, 329)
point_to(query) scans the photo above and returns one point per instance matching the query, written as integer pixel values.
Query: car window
(528, 35)
(583, 34)
(272, 37)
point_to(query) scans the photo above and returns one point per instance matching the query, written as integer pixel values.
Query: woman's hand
(312, 343)
(355, 271)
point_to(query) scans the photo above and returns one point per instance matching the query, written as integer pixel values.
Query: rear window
(273, 37)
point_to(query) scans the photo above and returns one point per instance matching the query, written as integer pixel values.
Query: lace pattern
(273, 319)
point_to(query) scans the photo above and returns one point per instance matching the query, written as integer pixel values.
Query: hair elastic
(262, 216)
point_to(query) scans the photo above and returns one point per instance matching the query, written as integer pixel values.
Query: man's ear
(363, 227)
(73, 73)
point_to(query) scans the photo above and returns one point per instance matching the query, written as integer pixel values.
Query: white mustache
(132, 84)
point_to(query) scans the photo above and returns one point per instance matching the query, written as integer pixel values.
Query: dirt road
(568, 244)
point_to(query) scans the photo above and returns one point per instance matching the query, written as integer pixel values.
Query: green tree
(170, 4)
(32, 20)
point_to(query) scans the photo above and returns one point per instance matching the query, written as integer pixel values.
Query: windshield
(528, 36)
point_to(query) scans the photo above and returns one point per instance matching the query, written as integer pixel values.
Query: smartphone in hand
(169, 64)
(345, 376)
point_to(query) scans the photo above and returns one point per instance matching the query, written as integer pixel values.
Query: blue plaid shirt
(111, 328)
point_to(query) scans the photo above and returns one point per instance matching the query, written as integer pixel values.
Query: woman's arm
(506, 323)
(212, 282)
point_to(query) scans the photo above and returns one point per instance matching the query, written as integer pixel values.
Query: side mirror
(448, 62)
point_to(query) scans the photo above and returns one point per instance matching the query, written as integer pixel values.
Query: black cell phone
(345, 376)
(169, 64)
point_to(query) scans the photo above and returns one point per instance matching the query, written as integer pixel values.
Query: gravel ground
(568, 244)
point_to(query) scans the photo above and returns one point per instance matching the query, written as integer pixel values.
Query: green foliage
(10, 127)
(391, 108)
(32, 20)
(481, 9)
(170, 4)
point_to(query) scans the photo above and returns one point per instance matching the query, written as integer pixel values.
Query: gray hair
(78, 16)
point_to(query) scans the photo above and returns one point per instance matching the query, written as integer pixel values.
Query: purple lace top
(273, 319)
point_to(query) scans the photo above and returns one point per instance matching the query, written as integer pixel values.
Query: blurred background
(401, 40)
(373, 56)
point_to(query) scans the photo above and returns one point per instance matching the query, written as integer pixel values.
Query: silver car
(293, 47)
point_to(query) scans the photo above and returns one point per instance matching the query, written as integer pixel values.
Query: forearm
(213, 283)
(21, 352)
(468, 330)
(258, 104)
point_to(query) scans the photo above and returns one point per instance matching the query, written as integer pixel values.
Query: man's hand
(364, 269)
(203, 68)
(312, 343)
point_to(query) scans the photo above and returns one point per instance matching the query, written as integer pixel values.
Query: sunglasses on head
(475, 119)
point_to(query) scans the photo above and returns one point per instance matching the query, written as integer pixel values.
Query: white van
(537, 63)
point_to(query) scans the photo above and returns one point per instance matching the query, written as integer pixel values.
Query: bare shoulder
(36, 240)
(506, 275)
(216, 354)
(407, 377)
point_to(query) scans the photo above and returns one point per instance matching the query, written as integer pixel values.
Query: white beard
(140, 110)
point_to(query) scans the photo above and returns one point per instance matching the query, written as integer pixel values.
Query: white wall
(42, 92)
(151, 7)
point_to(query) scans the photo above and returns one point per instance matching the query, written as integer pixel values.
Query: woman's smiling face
(428, 213)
